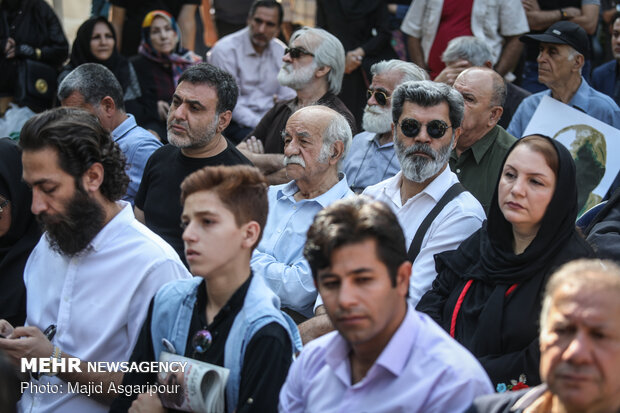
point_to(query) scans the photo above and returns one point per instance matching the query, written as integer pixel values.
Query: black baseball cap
(562, 32)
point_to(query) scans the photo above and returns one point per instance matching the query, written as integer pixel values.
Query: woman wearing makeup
(95, 42)
(160, 61)
(488, 292)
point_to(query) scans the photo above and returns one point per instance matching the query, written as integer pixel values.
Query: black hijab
(491, 248)
(81, 53)
(23, 235)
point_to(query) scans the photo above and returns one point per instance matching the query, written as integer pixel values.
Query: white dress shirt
(98, 300)
(460, 218)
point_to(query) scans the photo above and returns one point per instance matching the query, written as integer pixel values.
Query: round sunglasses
(296, 52)
(381, 97)
(435, 129)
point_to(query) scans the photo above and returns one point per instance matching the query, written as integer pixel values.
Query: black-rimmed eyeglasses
(296, 52)
(435, 128)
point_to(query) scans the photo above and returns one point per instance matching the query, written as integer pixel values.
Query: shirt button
(458, 171)
(279, 230)
(294, 206)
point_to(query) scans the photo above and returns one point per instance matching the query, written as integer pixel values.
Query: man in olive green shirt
(483, 144)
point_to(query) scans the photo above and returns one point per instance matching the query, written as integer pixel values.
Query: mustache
(375, 110)
(295, 159)
(420, 147)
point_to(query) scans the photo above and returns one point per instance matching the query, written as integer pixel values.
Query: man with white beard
(313, 67)
(435, 211)
(372, 158)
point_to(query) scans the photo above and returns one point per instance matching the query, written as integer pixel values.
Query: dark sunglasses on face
(296, 52)
(381, 97)
(436, 128)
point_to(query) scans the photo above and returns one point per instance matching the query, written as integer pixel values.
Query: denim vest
(172, 312)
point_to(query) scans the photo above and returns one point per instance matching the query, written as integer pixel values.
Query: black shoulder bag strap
(416, 244)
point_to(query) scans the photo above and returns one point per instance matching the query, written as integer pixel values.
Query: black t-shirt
(265, 365)
(136, 10)
(160, 190)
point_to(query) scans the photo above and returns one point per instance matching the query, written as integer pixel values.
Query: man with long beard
(313, 67)
(200, 110)
(372, 158)
(92, 275)
(427, 120)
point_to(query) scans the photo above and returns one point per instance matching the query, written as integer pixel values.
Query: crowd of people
(338, 203)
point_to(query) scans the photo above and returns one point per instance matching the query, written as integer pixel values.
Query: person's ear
(251, 232)
(578, 61)
(223, 121)
(322, 71)
(93, 177)
(457, 134)
(495, 116)
(337, 150)
(403, 273)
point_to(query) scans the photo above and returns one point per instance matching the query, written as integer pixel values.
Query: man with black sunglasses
(435, 211)
(372, 158)
(313, 66)
(253, 56)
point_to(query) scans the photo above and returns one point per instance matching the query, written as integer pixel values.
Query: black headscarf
(23, 235)
(81, 53)
(492, 246)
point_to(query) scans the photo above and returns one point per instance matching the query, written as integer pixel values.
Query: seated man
(563, 48)
(313, 67)
(94, 87)
(372, 158)
(316, 138)
(233, 311)
(384, 356)
(253, 57)
(91, 276)
(579, 345)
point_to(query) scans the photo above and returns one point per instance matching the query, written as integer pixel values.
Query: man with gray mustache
(436, 213)
(316, 138)
(372, 158)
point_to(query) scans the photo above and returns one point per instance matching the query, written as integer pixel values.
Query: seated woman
(488, 292)
(225, 315)
(161, 60)
(95, 42)
(19, 233)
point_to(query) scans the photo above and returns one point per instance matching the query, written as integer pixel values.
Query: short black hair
(270, 4)
(93, 81)
(351, 221)
(219, 79)
(615, 17)
(80, 141)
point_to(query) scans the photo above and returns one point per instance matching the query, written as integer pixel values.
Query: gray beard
(377, 120)
(419, 169)
(296, 79)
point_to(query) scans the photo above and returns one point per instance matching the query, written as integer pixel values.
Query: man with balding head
(483, 144)
(315, 139)
(579, 345)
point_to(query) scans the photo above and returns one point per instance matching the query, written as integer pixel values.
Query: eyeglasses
(3, 204)
(296, 52)
(202, 341)
(380, 96)
(436, 128)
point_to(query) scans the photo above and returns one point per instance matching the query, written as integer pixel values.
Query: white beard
(296, 79)
(377, 119)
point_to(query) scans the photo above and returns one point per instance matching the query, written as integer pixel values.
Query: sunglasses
(202, 341)
(436, 128)
(381, 97)
(296, 52)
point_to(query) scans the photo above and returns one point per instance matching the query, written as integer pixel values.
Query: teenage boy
(224, 315)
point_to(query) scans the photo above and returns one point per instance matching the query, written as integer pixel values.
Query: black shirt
(160, 189)
(265, 364)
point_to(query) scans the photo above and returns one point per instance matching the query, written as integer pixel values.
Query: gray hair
(426, 94)
(578, 275)
(94, 82)
(469, 48)
(327, 50)
(337, 130)
(219, 79)
(409, 71)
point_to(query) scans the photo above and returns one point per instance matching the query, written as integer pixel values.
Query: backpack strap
(416, 244)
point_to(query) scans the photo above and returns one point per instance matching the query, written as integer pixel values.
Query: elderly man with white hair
(316, 138)
(579, 345)
(313, 66)
(372, 158)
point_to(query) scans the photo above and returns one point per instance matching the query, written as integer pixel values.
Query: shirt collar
(480, 148)
(115, 227)
(439, 185)
(581, 98)
(338, 191)
(124, 127)
(246, 44)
